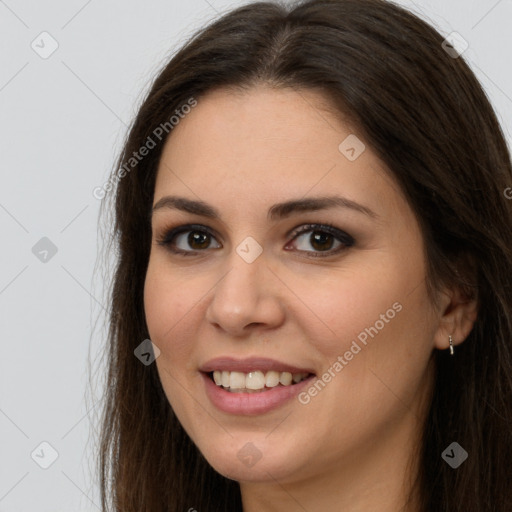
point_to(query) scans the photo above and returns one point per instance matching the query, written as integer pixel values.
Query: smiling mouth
(256, 381)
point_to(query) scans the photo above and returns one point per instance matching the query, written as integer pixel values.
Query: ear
(457, 316)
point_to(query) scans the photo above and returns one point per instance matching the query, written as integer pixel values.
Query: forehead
(267, 145)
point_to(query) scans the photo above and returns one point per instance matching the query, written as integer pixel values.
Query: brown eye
(322, 238)
(321, 241)
(198, 239)
(187, 239)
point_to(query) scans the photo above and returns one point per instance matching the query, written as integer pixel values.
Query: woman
(312, 306)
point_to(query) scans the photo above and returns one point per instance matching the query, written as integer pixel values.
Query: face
(336, 292)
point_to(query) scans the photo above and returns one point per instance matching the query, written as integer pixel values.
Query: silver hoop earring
(451, 344)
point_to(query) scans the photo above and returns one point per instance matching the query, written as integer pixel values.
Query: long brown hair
(426, 116)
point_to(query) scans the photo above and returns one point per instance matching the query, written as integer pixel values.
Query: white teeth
(237, 380)
(256, 380)
(285, 378)
(271, 379)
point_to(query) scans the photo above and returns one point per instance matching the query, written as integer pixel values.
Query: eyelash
(345, 239)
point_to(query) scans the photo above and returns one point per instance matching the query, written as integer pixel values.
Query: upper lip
(250, 364)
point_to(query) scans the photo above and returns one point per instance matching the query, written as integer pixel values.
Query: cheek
(340, 306)
(377, 314)
(167, 303)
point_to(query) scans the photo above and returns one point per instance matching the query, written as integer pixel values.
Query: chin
(249, 461)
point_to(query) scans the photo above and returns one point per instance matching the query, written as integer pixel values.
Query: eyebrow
(277, 211)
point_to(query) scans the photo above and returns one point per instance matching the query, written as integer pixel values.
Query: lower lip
(251, 403)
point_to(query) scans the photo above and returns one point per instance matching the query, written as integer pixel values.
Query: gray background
(63, 120)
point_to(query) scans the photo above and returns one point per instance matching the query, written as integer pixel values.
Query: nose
(247, 296)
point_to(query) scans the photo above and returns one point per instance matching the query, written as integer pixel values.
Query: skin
(351, 447)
